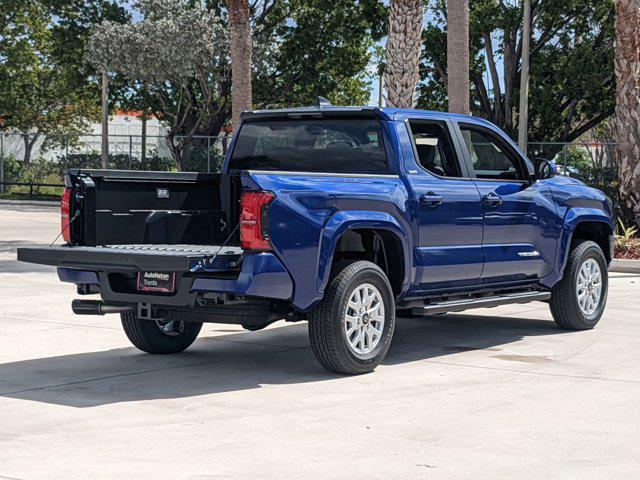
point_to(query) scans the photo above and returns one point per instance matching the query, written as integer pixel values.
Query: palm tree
(627, 69)
(403, 52)
(458, 55)
(241, 57)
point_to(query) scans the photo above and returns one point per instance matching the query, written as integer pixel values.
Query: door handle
(431, 199)
(492, 199)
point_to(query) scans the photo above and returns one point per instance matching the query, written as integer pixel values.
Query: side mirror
(544, 168)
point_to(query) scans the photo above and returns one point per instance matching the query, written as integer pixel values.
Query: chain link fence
(40, 173)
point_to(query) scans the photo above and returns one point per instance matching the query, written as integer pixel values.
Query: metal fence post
(1, 162)
(130, 150)
(66, 150)
(564, 158)
(208, 154)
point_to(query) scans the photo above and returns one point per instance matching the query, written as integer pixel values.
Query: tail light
(254, 224)
(65, 209)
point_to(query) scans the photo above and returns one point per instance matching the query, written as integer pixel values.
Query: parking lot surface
(491, 393)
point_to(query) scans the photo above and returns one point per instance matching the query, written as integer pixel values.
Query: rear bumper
(261, 275)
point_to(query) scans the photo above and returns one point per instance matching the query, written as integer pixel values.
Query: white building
(125, 136)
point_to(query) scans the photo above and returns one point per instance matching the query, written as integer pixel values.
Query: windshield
(322, 145)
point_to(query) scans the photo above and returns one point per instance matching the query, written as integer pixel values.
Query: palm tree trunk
(458, 55)
(241, 57)
(627, 68)
(404, 45)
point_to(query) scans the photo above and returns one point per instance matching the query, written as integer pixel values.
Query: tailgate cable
(75, 215)
(224, 244)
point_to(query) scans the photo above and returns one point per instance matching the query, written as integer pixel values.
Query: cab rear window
(318, 145)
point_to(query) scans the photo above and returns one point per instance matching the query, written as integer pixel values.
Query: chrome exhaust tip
(96, 307)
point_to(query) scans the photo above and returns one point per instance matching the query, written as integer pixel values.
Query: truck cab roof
(386, 113)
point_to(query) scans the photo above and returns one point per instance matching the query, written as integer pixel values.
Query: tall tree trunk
(176, 147)
(241, 57)
(29, 143)
(104, 153)
(458, 55)
(627, 69)
(143, 139)
(495, 79)
(404, 45)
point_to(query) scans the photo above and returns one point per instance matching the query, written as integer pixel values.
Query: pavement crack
(534, 372)
(256, 343)
(9, 317)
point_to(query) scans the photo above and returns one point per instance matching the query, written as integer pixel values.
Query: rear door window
(433, 148)
(318, 145)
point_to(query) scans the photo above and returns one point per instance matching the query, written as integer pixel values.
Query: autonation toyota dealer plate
(156, 282)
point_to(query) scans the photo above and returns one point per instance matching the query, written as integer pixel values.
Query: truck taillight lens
(254, 233)
(65, 209)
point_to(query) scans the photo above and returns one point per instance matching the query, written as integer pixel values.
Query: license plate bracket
(163, 282)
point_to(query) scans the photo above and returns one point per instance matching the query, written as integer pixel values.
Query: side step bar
(485, 302)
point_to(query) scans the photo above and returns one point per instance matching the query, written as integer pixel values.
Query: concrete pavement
(492, 393)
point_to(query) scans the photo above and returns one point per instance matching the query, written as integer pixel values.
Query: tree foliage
(320, 49)
(179, 53)
(572, 83)
(45, 86)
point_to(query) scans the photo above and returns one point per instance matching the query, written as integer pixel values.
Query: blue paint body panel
(79, 277)
(310, 213)
(525, 223)
(262, 275)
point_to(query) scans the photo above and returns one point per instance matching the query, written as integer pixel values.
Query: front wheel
(352, 327)
(578, 300)
(159, 336)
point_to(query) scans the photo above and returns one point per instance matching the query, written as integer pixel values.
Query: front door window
(489, 157)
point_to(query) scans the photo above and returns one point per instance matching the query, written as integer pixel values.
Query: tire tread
(322, 318)
(563, 304)
(145, 335)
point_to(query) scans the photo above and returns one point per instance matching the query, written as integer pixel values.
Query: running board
(485, 302)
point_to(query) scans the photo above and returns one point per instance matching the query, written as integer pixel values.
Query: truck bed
(113, 207)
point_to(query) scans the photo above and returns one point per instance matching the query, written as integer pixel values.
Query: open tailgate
(135, 258)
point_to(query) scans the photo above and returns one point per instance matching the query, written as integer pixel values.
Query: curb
(625, 266)
(39, 203)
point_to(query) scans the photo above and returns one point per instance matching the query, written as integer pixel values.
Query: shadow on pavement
(11, 246)
(10, 264)
(239, 361)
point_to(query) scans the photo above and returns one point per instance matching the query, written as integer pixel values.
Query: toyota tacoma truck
(341, 217)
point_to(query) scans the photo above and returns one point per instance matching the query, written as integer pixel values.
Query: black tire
(564, 304)
(146, 335)
(326, 323)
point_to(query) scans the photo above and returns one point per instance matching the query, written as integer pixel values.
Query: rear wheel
(578, 300)
(352, 327)
(159, 336)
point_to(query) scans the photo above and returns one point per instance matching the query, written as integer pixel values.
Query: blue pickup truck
(341, 217)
